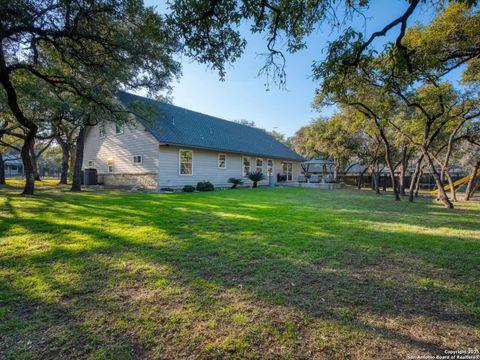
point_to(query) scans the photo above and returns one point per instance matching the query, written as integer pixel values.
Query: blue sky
(243, 94)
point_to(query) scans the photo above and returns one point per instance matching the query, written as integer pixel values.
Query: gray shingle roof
(178, 126)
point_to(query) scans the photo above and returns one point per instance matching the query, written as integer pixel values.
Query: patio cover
(323, 164)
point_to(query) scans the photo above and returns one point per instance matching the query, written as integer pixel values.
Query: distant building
(13, 164)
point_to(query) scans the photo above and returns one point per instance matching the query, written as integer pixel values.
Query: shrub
(205, 186)
(188, 188)
(256, 177)
(235, 182)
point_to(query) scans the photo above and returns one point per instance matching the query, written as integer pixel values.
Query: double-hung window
(101, 130)
(269, 167)
(110, 165)
(222, 161)
(259, 165)
(137, 159)
(245, 166)
(186, 162)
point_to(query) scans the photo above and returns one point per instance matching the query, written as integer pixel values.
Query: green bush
(188, 188)
(235, 182)
(256, 177)
(205, 186)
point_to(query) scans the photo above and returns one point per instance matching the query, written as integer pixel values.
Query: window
(90, 163)
(110, 165)
(186, 162)
(259, 165)
(269, 167)
(118, 129)
(287, 170)
(101, 130)
(245, 166)
(137, 159)
(222, 161)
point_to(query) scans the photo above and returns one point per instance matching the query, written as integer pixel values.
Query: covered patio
(318, 174)
(318, 171)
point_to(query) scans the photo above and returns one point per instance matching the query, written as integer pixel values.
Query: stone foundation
(142, 180)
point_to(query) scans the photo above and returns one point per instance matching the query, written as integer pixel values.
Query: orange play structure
(460, 182)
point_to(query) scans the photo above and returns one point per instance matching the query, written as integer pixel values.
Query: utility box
(90, 177)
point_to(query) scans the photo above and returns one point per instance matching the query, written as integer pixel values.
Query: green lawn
(265, 273)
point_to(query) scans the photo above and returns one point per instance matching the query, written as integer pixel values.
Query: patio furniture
(314, 179)
(329, 179)
(302, 178)
(281, 178)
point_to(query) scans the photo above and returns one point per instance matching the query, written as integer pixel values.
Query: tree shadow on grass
(278, 264)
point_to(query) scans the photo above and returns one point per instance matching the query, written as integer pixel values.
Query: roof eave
(230, 151)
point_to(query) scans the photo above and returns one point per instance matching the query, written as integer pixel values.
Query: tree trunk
(377, 182)
(438, 181)
(65, 166)
(33, 158)
(403, 170)
(468, 191)
(413, 180)
(28, 167)
(73, 151)
(2, 170)
(388, 157)
(360, 179)
(77, 172)
(65, 160)
(401, 181)
(453, 192)
(475, 189)
(417, 185)
(388, 160)
(32, 128)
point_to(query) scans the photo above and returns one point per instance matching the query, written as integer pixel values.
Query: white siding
(205, 167)
(134, 140)
(164, 160)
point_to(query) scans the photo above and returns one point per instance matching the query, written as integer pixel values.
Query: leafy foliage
(235, 182)
(78, 54)
(205, 186)
(255, 177)
(188, 188)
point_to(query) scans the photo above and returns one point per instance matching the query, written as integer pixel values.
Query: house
(182, 147)
(13, 164)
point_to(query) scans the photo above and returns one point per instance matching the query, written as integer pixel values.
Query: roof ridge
(233, 122)
(238, 137)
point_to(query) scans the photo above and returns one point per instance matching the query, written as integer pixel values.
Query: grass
(265, 273)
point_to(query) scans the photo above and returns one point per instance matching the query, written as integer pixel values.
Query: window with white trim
(245, 166)
(186, 162)
(90, 164)
(222, 161)
(101, 130)
(259, 165)
(269, 167)
(137, 159)
(110, 165)
(118, 129)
